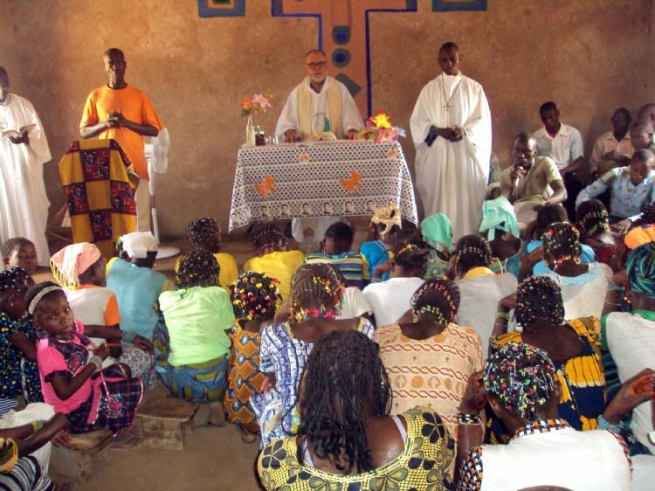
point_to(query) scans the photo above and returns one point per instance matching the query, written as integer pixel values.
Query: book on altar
(17, 133)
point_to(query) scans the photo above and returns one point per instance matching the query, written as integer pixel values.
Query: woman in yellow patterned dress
(572, 345)
(347, 440)
(254, 296)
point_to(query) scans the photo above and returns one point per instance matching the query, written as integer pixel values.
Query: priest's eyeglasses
(317, 64)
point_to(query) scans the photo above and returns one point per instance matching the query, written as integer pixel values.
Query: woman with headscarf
(573, 346)
(437, 233)
(631, 335)
(381, 241)
(501, 229)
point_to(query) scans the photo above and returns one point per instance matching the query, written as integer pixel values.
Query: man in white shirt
(451, 129)
(319, 104)
(613, 146)
(563, 144)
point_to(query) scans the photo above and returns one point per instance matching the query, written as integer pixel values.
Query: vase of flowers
(256, 104)
(378, 129)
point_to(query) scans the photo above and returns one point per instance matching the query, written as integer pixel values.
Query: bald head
(524, 151)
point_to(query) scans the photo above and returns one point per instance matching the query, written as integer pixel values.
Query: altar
(303, 180)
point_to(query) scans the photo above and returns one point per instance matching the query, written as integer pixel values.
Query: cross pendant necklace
(443, 90)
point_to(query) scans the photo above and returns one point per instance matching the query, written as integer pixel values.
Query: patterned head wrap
(522, 377)
(138, 244)
(498, 214)
(254, 295)
(438, 231)
(539, 297)
(197, 268)
(69, 263)
(641, 269)
(387, 216)
(202, 230)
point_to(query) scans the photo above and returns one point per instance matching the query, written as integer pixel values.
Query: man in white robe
(318, 105)
(23, 201)
(451, 129)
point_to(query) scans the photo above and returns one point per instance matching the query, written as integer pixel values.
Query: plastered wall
(590, 56)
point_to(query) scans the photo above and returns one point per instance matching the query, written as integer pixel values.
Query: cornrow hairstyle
(35, 295)
(413, 260)
(641, 270)
(268, 236)
(344, 379)
(197, 268)
(562, 243)
(439, 298)
(14, 244)
(522, 377)
(539, 297)
(254, 296)
(592, 218)
(202, 231)
(648, 216)
(472, 251)
(317, 292)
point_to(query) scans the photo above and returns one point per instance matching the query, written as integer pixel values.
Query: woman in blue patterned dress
(316, 301)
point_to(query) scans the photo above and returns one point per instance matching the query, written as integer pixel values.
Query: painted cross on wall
(343, 30)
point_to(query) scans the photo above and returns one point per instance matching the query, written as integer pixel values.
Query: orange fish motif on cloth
(267, 188)
(353, 183)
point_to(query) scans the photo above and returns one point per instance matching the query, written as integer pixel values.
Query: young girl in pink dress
(71, 378)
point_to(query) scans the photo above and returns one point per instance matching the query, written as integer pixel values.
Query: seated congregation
(515, 358)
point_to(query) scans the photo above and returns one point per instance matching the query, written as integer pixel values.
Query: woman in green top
(192, 348)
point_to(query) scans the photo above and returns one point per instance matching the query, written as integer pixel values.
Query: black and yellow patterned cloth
(425, 463)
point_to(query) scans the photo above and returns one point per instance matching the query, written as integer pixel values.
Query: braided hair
(438, 298)
(39, 292)
(413, 260)
(593, 218)
(254, 296)
(539, 297)
(268, 236)
(641, 269)
(202, 231)
(344, 382)
(472, 251)
(317, 292)
(562, 243)
(522, 377)
(197, 268)
(15, 278)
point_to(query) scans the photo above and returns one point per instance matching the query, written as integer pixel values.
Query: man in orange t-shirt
(123, 112)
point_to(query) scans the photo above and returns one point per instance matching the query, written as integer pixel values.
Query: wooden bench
(164, 421)
(76, 459)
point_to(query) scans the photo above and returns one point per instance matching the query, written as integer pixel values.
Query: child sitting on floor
(18, 370)
(204, 234)
(136, 285)
(72, 379)
(382, 239)
(80, 270)
(273, 258)
(254, 297)
(336, 252)
(192, 347)
(20, 252)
